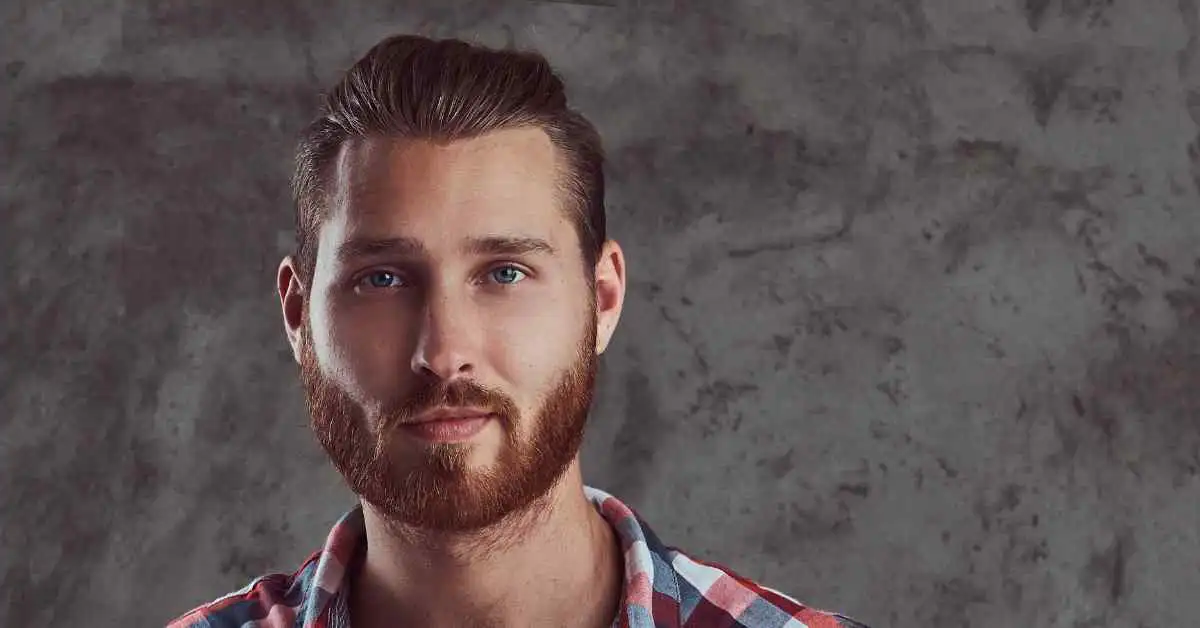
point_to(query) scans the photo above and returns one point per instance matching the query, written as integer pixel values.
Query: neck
(556, 563)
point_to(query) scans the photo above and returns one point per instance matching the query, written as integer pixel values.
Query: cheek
(368, 345)
(533, 350)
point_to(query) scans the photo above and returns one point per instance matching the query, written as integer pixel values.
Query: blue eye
(381, 279)
(504, 275)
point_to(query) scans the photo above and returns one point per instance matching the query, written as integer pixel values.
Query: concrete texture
(913, 328)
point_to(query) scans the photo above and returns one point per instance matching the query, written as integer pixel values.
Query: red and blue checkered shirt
(663, 587)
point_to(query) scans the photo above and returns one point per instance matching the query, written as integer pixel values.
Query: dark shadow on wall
(141, 212)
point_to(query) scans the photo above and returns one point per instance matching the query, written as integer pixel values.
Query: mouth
(444, 413)
(448, 425)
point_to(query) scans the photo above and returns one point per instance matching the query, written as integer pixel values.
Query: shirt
(662, 587)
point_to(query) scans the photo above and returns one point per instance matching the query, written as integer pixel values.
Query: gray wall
(913, 324)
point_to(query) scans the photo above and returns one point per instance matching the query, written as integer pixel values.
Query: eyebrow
(411, 247)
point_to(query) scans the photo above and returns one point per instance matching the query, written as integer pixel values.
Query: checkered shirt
(663, 587)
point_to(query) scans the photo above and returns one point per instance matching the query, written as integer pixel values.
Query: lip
(451, 414)
(447, 428)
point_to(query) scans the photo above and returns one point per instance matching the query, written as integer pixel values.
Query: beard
(435, 487)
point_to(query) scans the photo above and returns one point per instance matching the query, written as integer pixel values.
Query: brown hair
(412, 87)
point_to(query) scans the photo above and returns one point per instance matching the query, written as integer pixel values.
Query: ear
(292, 297)
(610, 292)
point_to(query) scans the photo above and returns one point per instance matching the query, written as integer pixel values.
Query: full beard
(435, 488)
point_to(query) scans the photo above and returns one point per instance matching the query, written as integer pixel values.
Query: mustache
(457, 392)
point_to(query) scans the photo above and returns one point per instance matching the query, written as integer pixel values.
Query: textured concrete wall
(913, 327)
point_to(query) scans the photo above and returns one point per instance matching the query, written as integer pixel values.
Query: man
(450, 293)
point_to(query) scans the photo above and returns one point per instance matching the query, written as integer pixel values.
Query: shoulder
(669, 586)
(722, 592)
(276, 597)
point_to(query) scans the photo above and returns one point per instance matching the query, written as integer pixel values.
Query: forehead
(504, 182)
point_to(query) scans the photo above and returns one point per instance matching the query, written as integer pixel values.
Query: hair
(411, 87)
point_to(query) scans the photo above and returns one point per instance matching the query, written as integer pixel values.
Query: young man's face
(449, 276)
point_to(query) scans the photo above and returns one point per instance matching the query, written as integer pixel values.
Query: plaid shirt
(663, 587)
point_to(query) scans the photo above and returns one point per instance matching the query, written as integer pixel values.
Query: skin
(495, 531)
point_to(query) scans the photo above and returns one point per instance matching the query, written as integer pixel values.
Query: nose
(445, 344)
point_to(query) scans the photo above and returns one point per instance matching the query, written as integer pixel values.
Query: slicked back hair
(411, 87)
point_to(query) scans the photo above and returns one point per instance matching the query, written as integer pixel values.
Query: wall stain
(1153, 261)
(1107, 571)
(643, 429)
(988, 509)
(700, 361)
(1044, 81)
(1183, 59)
(952, 600)
(1158, 382)
(1101, 101)
(1023, 199)
(1034, 10)
(1193, 156)
(985, 155)
(1093, 12)
(713, 406)
(820, 520)
(778, 467)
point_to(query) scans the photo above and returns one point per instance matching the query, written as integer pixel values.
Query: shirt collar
(328, 586)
